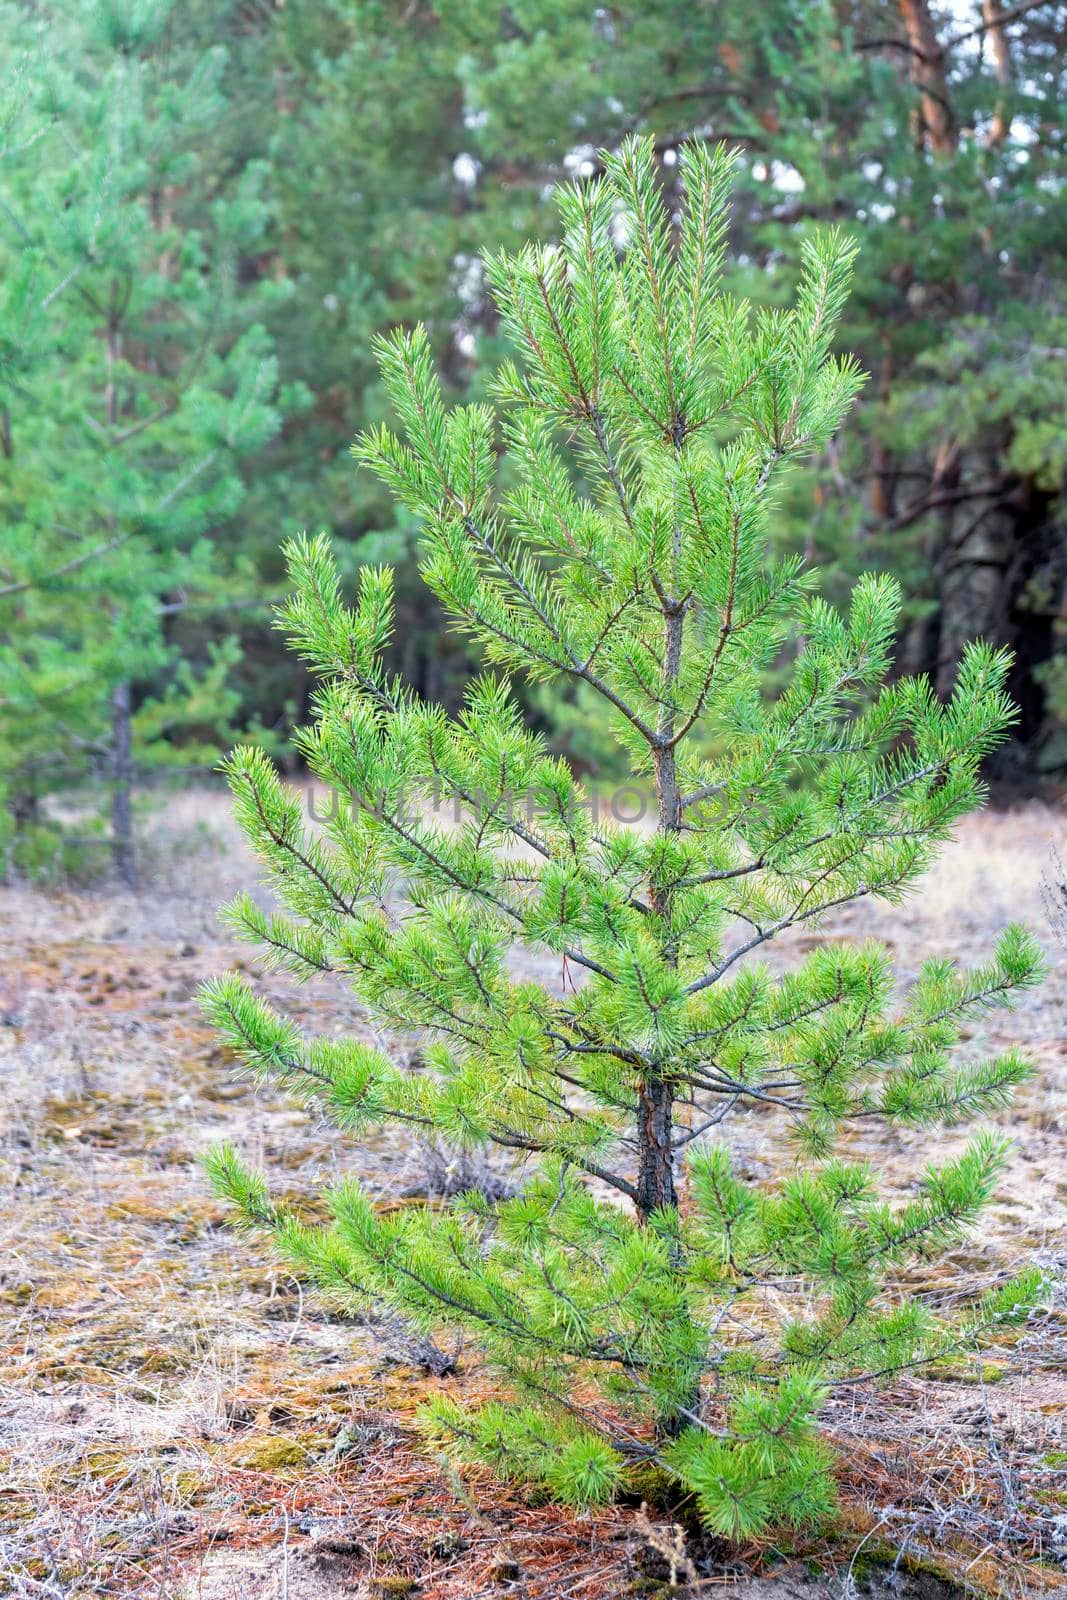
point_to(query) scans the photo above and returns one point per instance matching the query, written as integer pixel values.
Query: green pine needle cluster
(611, 531)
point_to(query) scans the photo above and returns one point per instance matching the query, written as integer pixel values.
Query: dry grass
(180, 1421)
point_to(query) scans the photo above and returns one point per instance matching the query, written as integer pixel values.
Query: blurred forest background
(208, 208)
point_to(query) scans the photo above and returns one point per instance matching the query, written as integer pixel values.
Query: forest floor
(180, 1420)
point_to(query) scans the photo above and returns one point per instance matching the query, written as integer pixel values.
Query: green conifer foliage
(608, 1291)
(136, 374)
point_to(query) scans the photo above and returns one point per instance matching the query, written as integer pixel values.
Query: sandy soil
(180, 1420)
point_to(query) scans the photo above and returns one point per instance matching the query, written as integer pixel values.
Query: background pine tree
(431, 142)
(628, 1295)
(134, 375)
(382, 156)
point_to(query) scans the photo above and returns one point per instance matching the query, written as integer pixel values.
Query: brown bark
(998, 42)
(655, 1176)
(937, 125)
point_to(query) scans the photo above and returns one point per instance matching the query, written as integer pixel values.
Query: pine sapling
(605, 523)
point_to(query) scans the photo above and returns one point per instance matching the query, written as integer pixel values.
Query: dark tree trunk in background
(122, 786)
(998, 571)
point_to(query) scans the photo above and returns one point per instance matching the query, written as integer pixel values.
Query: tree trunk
(655, 1176)
(937, 125)
(1002, 578)
(998, 42)
(122, 786)
(655, 1180)
(121, 730)
(24, 806)
(998, 571)
(656, 1184)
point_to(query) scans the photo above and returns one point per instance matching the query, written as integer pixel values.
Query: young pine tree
(629, 1294)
